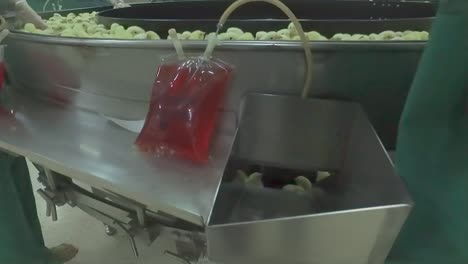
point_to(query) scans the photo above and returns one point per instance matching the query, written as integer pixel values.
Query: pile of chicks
(290, 34)
(384, 36)
(234, 33)
(85, 25)
(302, 185)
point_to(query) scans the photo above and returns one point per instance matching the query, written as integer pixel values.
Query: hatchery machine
(76, 106)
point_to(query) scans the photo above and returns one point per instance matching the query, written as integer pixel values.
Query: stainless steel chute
(115, 77)
(89, 148)
(365, 201)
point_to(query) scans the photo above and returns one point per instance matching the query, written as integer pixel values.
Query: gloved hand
(2, 23)
(3, 34)
(3, 31)
(27, 14)
(119, 3)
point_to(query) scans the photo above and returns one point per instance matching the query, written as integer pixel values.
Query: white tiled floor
(77, 228)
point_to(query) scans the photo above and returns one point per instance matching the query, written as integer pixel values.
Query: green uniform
(21, 239)
(432, 146)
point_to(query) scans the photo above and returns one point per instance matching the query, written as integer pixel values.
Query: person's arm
(119, 3)
(27, 14)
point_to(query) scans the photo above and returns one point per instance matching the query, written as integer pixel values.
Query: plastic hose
(294, 20)
(177, 45)
(212, 42)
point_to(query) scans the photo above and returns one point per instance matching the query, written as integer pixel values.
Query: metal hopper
(356, 221)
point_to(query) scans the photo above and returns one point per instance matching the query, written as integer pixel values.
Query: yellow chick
(235, 30)
(314, 35)
(304, 183)
(260, 35)
(246, 36)
(284, 32)
(197, 35)
(292, 29)
(255, 180)
(134, 30)
(152, 35)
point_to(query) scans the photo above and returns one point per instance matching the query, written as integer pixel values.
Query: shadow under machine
(290, 180)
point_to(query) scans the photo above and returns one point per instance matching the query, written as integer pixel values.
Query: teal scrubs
(432, 148)
(21, 240)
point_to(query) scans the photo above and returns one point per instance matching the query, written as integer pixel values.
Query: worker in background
(432, 148)
(57, 5)
(26, 14)
(21, 240)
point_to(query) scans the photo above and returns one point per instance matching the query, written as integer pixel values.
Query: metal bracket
(138, 208)
(50, 179)
(120, 214)
(51, 208)
(178, 257)
(130, 238)
(113, 223)
(190, 246)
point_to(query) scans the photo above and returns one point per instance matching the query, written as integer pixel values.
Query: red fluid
(185, 108)
(2, 74)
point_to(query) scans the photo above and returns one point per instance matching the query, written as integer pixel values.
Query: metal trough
(114, 77)
(356, 221)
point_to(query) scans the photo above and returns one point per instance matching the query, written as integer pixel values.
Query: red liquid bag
(185, 107)
(2, 74)
(2, 68)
